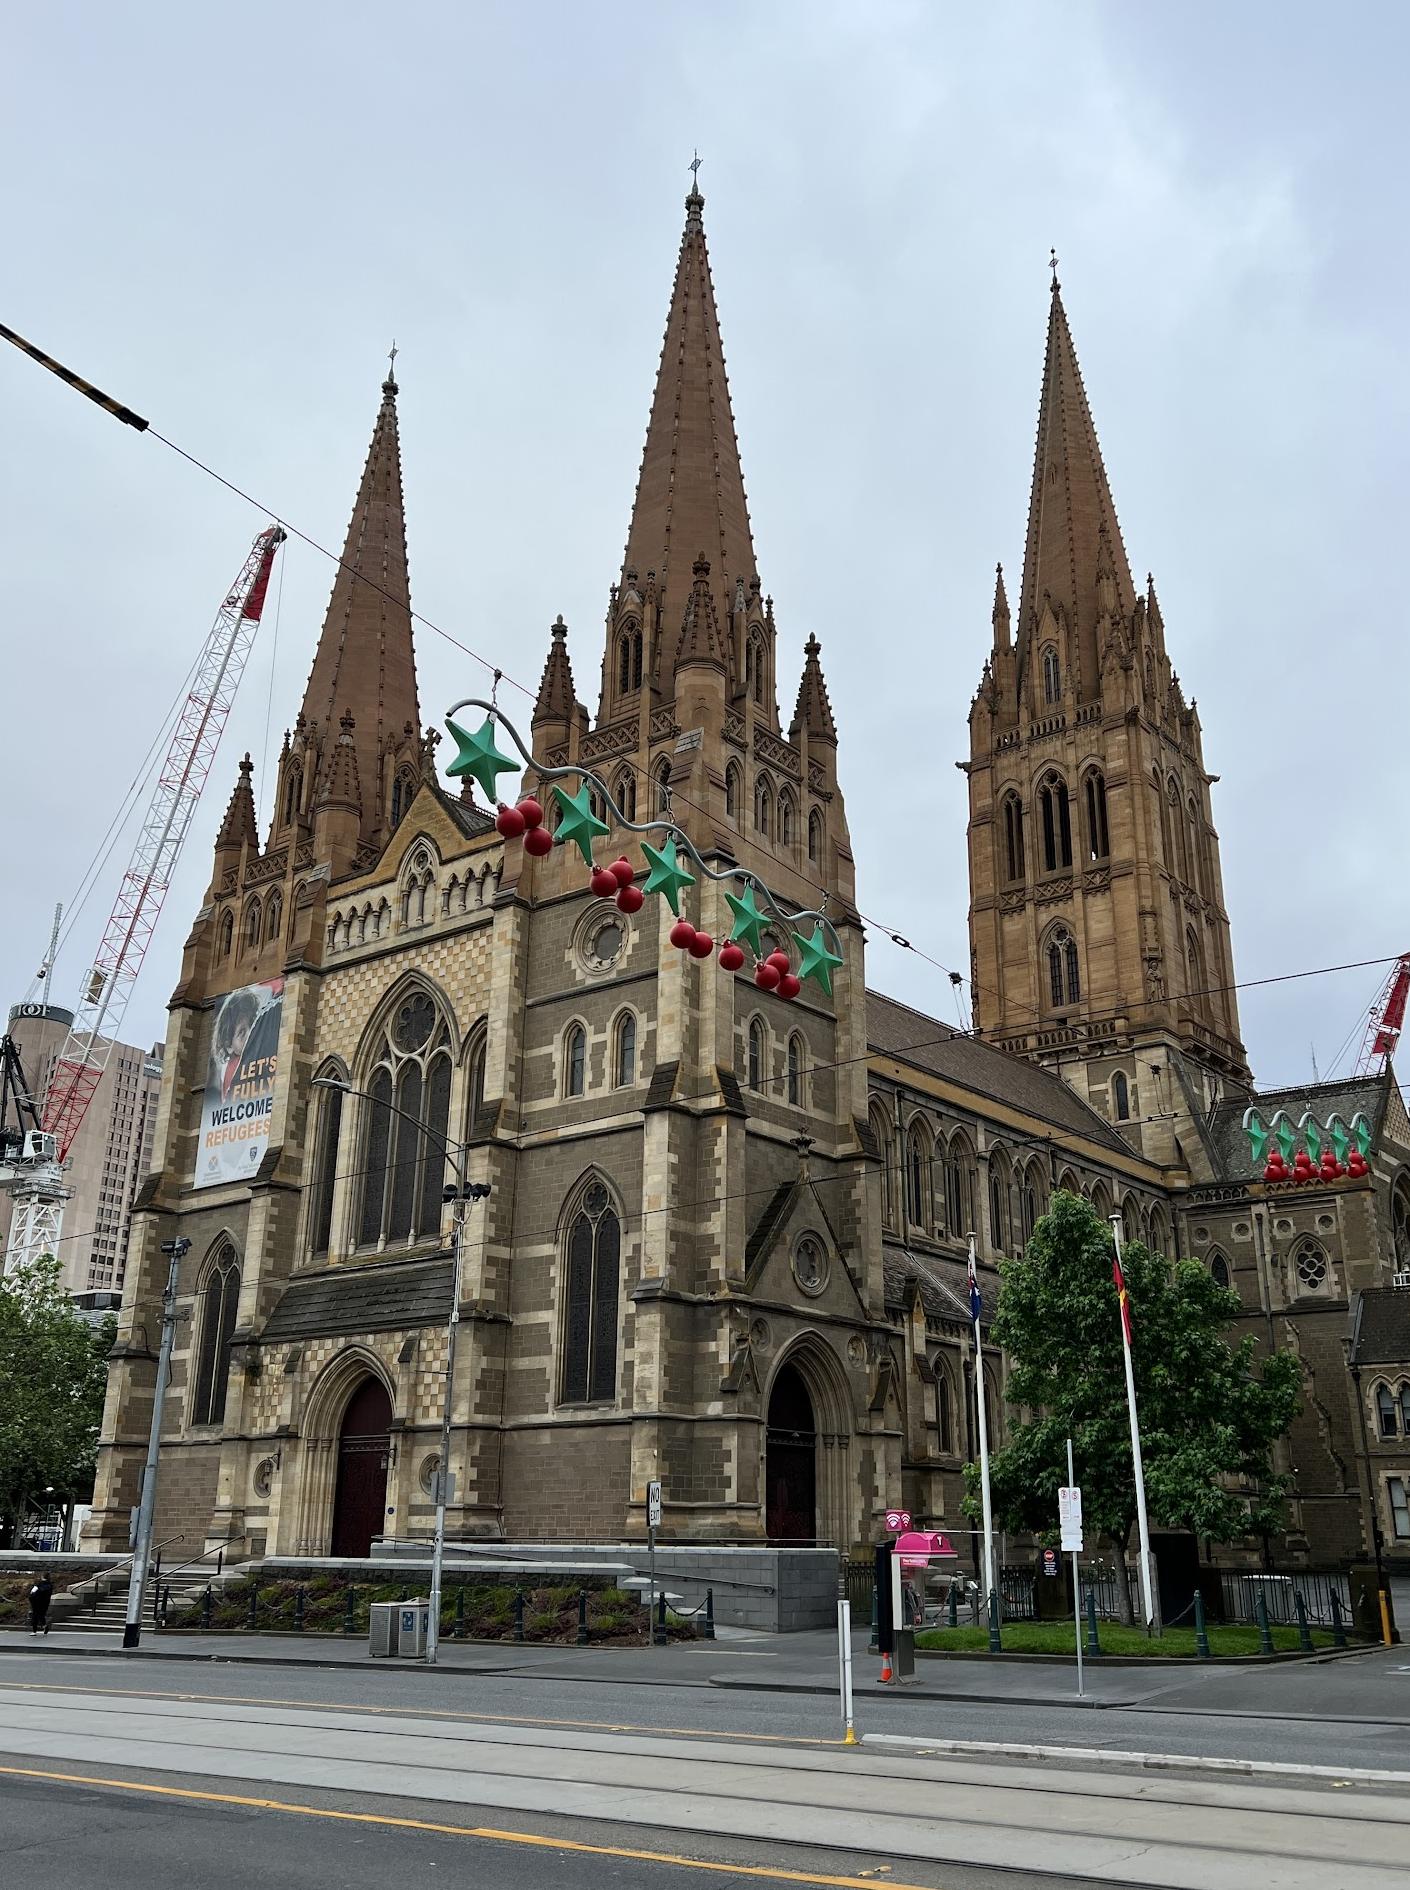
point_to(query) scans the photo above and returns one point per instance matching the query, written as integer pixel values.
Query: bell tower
(1099, 938)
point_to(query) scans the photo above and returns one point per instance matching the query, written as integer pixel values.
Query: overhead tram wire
(896, 937)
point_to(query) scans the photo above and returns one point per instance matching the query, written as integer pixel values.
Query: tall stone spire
(365, 664)
(814, 711)
(690, 501)
(239, 824)
(556, 695)
(1070, 508)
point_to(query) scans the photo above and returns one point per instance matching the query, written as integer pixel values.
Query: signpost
(1070, 1524)
(653, 1523)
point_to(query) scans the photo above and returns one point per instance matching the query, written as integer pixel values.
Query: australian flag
(976, 1303)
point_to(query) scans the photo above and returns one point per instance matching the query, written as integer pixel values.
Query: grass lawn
(1057, 1637)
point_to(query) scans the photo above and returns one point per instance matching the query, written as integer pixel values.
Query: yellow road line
(485, 1832)
(417, 1712)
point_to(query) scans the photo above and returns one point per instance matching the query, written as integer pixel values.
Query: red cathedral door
(360, 1493)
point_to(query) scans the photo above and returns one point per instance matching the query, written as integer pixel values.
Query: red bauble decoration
(781, 959)
(766, 975)
(682, 935)
(623, 871)
(731, 958)
(1356, 1165)
(701, 945)
(538, 841)
(510, 822)
(604, 882)
(1275, 1170)
(630, 899)
(789, 986)
(532, 812)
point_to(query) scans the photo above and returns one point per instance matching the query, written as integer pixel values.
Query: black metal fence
(1239, 1592)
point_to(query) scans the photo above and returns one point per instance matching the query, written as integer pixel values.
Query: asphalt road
(320, 1772)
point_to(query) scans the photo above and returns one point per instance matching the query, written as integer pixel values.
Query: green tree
(53, 1373)
(1209, 1413)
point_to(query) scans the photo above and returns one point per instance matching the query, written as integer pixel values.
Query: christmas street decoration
(1327, 1153)
(753, 905)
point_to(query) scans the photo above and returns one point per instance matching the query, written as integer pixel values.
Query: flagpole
(1142, 1526)
(983, 1429)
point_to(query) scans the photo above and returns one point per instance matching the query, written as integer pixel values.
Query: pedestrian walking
(39, 1597)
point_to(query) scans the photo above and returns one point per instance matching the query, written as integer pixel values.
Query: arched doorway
(791, 1461)
(360, 1492)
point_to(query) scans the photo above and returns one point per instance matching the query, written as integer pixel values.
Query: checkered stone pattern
(457, 962)
(428, 1382)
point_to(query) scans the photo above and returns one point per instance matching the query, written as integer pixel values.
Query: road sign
(1070, 1518)
(653, 1505)
(1050, 1561)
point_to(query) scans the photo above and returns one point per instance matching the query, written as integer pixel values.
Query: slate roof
(1229, 1144)
(1382, 1326)
(924, 1042)
(380, 1298)
(944, 1283)
(471, 820)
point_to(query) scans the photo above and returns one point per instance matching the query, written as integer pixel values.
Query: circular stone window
(810, 1264)
(427, 1474)
(600, 940)
(263, 1479)
(415, 1020)
(1311, 1265)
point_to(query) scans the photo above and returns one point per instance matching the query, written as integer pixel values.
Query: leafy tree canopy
(1209, 1412)
(53, 1373)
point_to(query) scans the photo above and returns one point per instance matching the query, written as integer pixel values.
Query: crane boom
(1386, 1018)
(102, 1003)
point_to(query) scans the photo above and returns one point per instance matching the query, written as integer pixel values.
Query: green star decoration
(479, 758)
(748, 920)
(577, 822)
(816, 960)
(666, 875)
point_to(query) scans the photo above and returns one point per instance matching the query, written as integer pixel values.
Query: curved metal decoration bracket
(774, 906)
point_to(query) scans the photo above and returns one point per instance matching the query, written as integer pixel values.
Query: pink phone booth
(918, 1548)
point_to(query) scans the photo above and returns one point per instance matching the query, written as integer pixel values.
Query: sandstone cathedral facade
(725, 1236)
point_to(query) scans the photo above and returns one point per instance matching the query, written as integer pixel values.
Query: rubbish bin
(413, 1624)
(382, 1620)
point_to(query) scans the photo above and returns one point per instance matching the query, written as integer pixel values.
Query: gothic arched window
(732, 791)
(795, 1070)
(252, 923)
(219, 1297)
(1098, 842)
(293, 788)
(785, 818)
(592, 1287)
(1013, 838)
(274, 915)
(662, 778)
(1052, 675)
(917, 1178)
(325, 1169)
(1387, 1416)
(575, 1061)
(1400, 1225)
(756, 666)
(763, 807)
(1311, 1265)
(958, 1197)
(227, 934)
(403, 793)
(881, 1130)
(815, 835)
(624, 1051)
(1064, 981)
(944, 1409)
(1055, 819)
(1197, 872)
(1178, 860)
(1120, 1097)
(407, 1117)
(1219, 1270)
(624, 792)
(756, 1054)
(629, 659)
(998, 1203)
(1195, 985)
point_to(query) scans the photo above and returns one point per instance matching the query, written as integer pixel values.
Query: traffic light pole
(175, 1250)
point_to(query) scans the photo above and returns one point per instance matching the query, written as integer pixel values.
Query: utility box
(413, 1625)
(382, 1626)
(903, 1655)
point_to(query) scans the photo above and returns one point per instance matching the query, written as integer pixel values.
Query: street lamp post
(458, 1199)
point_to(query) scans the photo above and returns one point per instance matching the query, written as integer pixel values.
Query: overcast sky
(224, 216)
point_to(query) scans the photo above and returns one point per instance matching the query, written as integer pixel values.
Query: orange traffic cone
(886, 1675)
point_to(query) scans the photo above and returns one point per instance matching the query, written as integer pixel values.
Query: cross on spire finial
(392, 360)
(1053, 265)
(695, 163)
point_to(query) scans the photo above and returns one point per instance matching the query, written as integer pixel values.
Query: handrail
(113, 1567)
(191, 1561)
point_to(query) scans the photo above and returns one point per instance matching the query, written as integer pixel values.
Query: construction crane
(1386, 1017)
(32, 1156)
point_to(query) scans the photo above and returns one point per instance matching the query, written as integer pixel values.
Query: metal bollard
(1094, 1646)
(1338, 1625)
(298, 1610)
(709, 1633)
(207, 1603)
(458, 1631)
(254, 1604)
(518, 1614)
(996, 1645)
(1201, 1631)
(1304, 1636)
(165, 1606)
(350, 1611)
(662, 1637)
(582, 1617)
(952, 1613)
(1265, 1637)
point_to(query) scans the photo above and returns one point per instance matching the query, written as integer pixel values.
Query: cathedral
(724, 1242)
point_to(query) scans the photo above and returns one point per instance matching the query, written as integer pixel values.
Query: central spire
(365, 665)
(690, 500)
(1071, 507)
